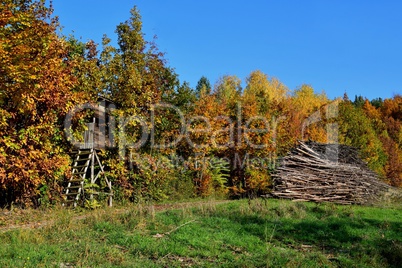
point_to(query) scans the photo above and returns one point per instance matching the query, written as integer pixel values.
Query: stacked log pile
(326, 173)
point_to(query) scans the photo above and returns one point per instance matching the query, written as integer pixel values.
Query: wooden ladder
(75, 187)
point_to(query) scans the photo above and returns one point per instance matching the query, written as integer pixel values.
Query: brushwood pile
(326, 173)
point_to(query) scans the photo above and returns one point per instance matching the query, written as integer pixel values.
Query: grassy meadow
(259, 233)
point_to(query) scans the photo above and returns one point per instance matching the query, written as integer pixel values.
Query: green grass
(235, 234)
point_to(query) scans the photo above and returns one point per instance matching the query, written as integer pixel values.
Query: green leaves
(357, 130)
(220, 172)
(136, 72)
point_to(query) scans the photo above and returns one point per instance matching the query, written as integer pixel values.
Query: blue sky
(335, 46)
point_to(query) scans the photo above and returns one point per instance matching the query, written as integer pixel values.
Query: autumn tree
(138, 73)
(88, 71)
(393, 166)
(356, 129)
(228, 91)
(36, 78)
(307, 101)
(385, 118)
(392, 115)
(267, 91)
(310, 106)
(136, 77)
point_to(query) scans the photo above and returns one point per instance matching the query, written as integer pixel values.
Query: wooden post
(92, 130)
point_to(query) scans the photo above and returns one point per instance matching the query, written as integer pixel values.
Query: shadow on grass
(352, 237)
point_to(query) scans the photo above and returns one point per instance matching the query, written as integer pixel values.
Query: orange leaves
(393, 167)
(36, 84)
(392, 107)
(5, 16)
(43, 76)
(387, 120)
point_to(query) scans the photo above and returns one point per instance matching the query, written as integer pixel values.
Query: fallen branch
(178, 227)
(173, 230)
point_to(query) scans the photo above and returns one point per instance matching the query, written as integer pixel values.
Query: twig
(178, 227)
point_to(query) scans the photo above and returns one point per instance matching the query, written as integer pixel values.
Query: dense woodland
(223, 149)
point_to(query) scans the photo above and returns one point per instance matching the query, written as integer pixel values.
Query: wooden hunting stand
(87, 169)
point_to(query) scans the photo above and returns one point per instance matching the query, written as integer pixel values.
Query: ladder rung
(85, 159)
(84, 152)
(74, 187)
(75, 167)
(75, 193)
(79, 173)
(81, 154)
(80, 180)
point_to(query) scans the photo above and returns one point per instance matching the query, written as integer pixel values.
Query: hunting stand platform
(88, 178)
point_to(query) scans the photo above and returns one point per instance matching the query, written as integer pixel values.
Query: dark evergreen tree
(359, 101)
(377, 103)
(203, 87)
